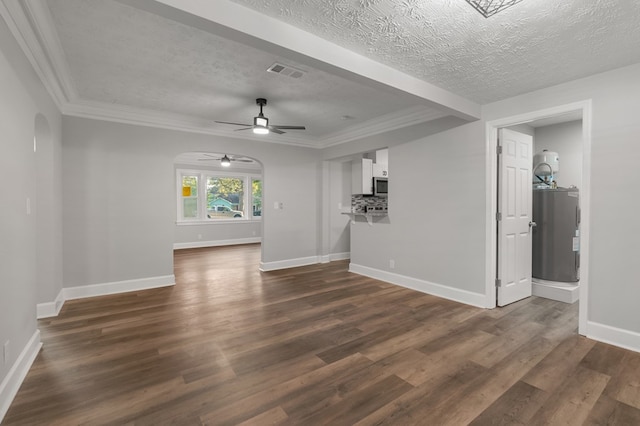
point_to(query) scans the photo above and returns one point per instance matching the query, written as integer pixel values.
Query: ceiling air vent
(286, 70)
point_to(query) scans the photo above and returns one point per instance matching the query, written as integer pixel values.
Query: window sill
(216, 222)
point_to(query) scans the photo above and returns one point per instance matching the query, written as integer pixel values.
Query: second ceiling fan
(261, 124)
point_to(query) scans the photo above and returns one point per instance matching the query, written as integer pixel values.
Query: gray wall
(435, 229)
(615, 179)
(29, 244)
(566, 140)
(435, 226)
(120, 198)
(217, 232)
(339, 201)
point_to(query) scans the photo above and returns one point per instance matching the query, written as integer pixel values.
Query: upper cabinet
(380, 170)
(381, 165)
(365, 169)
(362, 177)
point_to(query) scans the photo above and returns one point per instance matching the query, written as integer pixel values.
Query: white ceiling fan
(225, 160)
(261, 124)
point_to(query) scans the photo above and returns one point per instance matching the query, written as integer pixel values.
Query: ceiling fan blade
(208, 159)
(234, 124)
(246, 128)
(276, 130)
(240, 159)
(288, 127)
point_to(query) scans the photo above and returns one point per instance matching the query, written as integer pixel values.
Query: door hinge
(498, 216)
(498, 282)
(499, 150)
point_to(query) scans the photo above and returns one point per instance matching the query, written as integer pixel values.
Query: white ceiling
(384, 64)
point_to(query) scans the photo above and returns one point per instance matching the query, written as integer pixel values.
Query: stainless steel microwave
(380, 186)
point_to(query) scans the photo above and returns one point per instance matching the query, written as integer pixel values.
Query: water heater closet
(556, 218)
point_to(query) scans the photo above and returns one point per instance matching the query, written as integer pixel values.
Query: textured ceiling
(161, 63)
(118, 54)
(534, 44)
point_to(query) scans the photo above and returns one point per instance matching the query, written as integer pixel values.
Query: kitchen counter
(368, 215)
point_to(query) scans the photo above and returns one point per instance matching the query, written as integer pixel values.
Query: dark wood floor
(317, 345)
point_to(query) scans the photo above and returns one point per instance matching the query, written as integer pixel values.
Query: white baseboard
(614, 336)
(12, 382)
(80, 292)
(216, 243)
(561, 293)
(50, 309)
(339, 256)
(446, 292)
(289, 263)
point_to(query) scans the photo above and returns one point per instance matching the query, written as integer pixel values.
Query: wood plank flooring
(317, 345)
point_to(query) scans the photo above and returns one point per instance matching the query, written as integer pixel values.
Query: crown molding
(31, 25)
(144, 117)
(49, 40)
(386, 123)
(165, 120)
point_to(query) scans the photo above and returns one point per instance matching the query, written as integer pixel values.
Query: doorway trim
(492, 196)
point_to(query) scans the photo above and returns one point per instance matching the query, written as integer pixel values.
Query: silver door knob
(532, 224)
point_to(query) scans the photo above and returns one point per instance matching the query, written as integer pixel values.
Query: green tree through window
(256, 196)
(230, 189)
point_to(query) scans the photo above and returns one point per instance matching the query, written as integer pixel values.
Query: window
(208, 196)
(189, 197)
(256, 196)
(225, 197)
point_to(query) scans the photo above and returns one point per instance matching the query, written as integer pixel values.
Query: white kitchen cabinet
(381, 165)
(380, 170)
(362, 177)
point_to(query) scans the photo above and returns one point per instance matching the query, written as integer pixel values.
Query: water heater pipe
(543, 164)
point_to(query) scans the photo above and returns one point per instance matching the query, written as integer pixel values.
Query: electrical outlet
(392, 264)
(5, 353)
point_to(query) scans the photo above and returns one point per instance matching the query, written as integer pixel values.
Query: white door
(514, 216)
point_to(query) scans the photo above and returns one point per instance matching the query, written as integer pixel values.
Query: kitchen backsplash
(368, 204)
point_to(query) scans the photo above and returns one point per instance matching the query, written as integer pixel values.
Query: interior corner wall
(435, 230)
(120, 198)
(615, 178)
(30, 268)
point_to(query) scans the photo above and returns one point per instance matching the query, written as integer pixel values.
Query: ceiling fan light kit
(260, 121)
(225, 160)
(261, 125)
